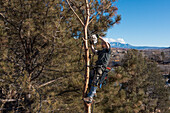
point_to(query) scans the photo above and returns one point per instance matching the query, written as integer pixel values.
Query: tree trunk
(87, 70)
(87, 60)
(86, 49)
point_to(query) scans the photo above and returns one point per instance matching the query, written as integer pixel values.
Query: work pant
(97, 75)
(99, 70)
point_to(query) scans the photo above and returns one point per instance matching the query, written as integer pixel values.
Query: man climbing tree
(101, 65)
(91, 13)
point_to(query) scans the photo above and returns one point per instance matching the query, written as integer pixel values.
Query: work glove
(97, 35)
(94, 38)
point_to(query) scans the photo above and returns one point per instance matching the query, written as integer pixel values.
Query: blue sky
(144, 23)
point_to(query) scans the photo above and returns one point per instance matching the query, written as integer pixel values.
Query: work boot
(88, 99)
(95, 95)
(90, 95)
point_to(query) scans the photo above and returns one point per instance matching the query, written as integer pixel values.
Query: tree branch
(78, 9)
(97, 15)
(38, 74)
(20, 36)
(93, 17)
(9, 100)
(47, 83)
(75, 13)
(87, 60)
(5, 19)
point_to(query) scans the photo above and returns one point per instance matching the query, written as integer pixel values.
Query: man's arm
(106, 43)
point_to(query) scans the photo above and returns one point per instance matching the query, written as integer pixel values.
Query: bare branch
(75, 13)
(97, 15)
(87, 12)
(94, 17)
(47, 83)
(20, 36)
(78, 9)
(6, 20)
(2, 15)
(9, 100)
(38, 74)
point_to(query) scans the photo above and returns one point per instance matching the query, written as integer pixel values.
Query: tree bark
(87, 60)
(86, 50)
(87, 71)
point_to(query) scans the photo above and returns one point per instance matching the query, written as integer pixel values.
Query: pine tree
(40, 55)
(37, 37)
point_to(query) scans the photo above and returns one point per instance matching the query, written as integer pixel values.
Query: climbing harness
(102, 80)
(104, 77)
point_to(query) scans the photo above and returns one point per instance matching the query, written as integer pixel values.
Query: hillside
(161, 56)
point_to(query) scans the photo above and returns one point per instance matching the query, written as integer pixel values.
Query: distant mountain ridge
(128, 46)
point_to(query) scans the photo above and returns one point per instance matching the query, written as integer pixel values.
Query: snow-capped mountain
(128, 46)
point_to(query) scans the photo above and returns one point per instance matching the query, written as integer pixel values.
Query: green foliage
(41, 68)
(136, 86)
(36, 53)
(142, 87)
